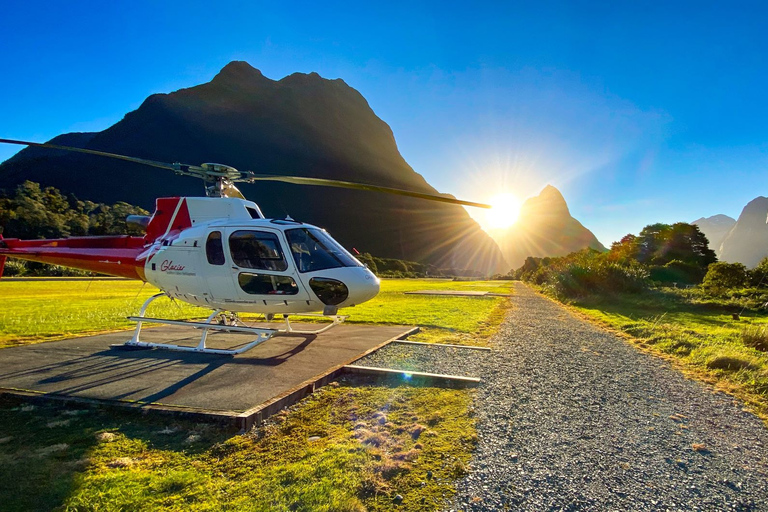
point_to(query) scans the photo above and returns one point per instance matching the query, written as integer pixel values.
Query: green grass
(701, 336)
(35, 311)
(459, 320)
(349, 447)
(370, 439)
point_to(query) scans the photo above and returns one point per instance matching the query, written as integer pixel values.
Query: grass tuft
(730, 363)
(755, 337)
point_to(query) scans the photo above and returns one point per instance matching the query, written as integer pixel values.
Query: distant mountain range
(300, 125)
(545, 227)
(715, 228)
(744, 240)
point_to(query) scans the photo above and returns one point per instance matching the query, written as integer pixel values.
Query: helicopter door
(218, 271)
(262, 272)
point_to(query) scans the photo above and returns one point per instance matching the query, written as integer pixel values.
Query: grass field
(352, 446)
(35, 311)
(703, 338)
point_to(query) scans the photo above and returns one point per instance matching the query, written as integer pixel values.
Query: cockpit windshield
(313, 250)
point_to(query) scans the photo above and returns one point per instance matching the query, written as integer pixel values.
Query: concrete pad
(86, 368)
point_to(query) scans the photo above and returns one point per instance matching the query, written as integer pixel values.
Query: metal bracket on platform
(262, 335)
(337, 319)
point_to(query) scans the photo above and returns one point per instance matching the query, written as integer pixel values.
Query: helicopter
(221, 253)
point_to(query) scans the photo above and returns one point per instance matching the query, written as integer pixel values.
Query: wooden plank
(416, 377)
(446, 345)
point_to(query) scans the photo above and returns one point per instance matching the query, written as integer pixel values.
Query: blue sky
(638, 112)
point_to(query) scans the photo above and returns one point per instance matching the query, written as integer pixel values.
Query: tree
(659, 244)
(45, 213)
(758, 276)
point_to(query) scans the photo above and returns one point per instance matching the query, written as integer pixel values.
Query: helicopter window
(262, 284)
(256, 249)
(214, 249)
(313, 249)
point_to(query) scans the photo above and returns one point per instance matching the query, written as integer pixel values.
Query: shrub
(723, 276)
(584, 273)
(14, 268)
(758, 276)
(677, 272)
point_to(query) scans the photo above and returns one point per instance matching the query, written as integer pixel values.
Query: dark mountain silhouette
(301, 125)
(545, 228)
(747, 241)
(715, 228)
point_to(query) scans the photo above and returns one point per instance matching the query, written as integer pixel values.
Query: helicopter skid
(336, 320)
(262, 335)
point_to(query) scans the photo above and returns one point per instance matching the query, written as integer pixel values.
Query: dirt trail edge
(574, 418)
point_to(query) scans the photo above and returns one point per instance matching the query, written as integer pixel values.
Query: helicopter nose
(363, 286)
(345, 287)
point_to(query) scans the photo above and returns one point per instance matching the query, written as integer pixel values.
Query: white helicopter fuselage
(231, 258)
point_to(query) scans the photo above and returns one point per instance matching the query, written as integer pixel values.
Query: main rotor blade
(153, 163)
(322, 182)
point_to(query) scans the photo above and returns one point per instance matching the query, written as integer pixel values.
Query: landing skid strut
(336, 320)
(262, 335)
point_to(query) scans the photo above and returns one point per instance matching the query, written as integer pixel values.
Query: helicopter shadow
(134, 368)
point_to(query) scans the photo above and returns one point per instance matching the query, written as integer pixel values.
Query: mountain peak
(238, 70)
(545, 228)
(549, 202)
(746, 242)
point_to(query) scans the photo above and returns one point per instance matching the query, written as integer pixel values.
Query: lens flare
(506, 208)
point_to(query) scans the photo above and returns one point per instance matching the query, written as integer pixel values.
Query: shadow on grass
(654, 303)
(43, 447)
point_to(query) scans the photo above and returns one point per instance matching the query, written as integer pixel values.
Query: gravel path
(574, 418)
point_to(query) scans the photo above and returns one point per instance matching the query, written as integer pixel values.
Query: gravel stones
(571, 417)
(574, 418)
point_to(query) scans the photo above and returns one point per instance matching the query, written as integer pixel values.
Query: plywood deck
(240, 386)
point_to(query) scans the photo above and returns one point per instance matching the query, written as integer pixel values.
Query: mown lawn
(702, 337)
(35, 311)
(355, 445)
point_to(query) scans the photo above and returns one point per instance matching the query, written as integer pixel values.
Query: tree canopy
(34, 212)
(660, 244)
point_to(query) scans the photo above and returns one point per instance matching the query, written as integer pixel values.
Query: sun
(506, 208)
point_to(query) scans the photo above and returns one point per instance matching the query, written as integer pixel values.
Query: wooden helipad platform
(243, 389)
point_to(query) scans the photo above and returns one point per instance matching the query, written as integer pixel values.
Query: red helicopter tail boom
(111, 255)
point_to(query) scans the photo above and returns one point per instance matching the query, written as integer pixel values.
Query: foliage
(21, 268)
(722, 275)
(758, 276)
(584, 273)
(660, 253)
(33, 212)
(660, 244)
(394, 268)
(676, 272)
